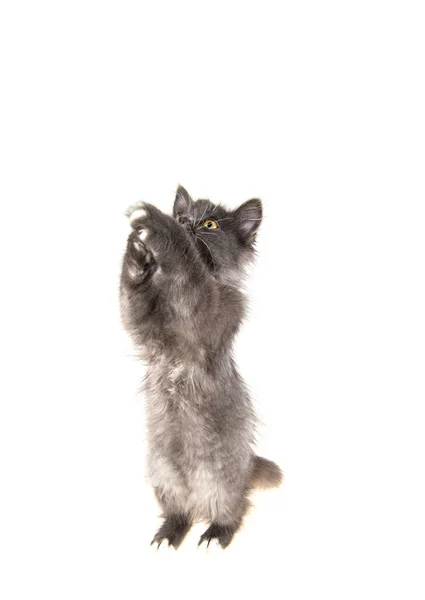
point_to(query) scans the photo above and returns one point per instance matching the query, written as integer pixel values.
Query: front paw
(137, 215)
(139, 261)
(157, 231)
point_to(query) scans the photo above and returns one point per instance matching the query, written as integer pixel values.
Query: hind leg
(227, 521)
(222, 533)
(177, 520)
(173, 529)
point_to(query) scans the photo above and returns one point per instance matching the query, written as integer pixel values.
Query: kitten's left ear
(182, 203)
(248, 219)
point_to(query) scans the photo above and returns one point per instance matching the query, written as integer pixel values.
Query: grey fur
(182, 302)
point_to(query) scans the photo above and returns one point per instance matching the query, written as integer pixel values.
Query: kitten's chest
(178, 408)
(172, 384)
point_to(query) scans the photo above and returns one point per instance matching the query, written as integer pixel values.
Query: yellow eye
(210, 224)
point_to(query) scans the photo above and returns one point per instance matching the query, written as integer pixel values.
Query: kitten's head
(225, 239)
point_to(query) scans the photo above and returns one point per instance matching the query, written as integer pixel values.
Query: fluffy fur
(182, 302)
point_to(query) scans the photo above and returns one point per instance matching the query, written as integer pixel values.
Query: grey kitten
(182, 303)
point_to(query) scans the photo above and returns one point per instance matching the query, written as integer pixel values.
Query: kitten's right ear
(248, 219)
(182, 203)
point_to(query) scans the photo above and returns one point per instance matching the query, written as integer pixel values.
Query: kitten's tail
(266, 474)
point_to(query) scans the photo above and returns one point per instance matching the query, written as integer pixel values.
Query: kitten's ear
(248, 219)
(182, 203)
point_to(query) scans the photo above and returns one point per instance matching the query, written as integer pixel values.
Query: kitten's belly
(187, 469)
(197, 458)
(189, 454)
(199, 489)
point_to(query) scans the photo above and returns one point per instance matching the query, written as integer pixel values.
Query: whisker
(204, 242)
(211, 233)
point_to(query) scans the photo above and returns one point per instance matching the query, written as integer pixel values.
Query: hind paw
(173, 530)
(222, 533)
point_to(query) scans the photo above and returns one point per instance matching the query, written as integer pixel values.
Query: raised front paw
(160, 233)
(150, 224)
(139, 261)
(139, 220)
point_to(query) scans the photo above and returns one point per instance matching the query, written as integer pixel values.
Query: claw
(205, 539)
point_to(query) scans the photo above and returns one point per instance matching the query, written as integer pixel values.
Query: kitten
(182, 303)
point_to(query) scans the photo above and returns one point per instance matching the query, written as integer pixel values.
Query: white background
(317, 108)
